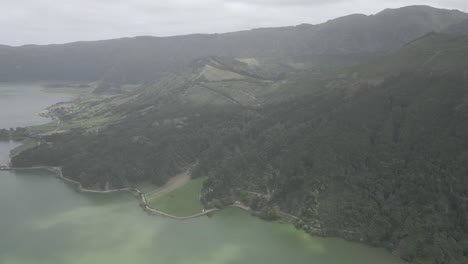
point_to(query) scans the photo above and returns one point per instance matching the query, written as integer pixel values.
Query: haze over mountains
(358, 127)
(142, 59)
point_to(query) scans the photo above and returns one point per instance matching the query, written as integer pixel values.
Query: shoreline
(134, 191)
(142, 199)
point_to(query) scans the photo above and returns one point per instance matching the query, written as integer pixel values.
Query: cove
(20, 103)
(45, 220)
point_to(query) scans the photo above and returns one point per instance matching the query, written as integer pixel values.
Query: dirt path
(55, 132)
(436, 54)
(174, 183)
(242, 206)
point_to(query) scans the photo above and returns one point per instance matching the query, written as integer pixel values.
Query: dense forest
(18, 133)
(376, 152)
(142, 59)
(384, 164)
(390, 159)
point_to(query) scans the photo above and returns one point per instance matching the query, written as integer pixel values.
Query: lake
(20, 104)
(46, 221)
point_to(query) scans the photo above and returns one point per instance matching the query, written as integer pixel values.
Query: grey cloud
(288, 3)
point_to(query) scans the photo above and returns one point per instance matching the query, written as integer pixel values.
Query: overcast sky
(60, 21)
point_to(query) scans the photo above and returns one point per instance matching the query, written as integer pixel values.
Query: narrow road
(137, 193)
(436, 54)
(174, 183)
(143, 197)
(152, 210)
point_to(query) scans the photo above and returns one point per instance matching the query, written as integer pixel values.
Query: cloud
(287, 3)
(52, 21)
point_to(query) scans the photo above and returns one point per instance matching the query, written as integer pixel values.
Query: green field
(181, 202)
(27, 144)
(146, 187)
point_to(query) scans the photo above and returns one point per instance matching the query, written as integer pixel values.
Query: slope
(382, 162)
(143, 59)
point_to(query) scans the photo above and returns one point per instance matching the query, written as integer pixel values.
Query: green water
(45, 221)
(20, 104)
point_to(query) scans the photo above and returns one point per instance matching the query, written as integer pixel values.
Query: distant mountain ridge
(375, 152)
(144, 59)
(460, 29)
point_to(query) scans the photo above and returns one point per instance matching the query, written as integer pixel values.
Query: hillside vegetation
(375, 152)
(144, 59)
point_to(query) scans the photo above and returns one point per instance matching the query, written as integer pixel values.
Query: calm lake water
(45, 221)
(20, 104)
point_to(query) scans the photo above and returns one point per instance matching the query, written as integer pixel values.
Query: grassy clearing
(43, 128)
(184, 201)
(89, 124)
(27, 144)
(146, 187)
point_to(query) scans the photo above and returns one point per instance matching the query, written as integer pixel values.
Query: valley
(45, 220)
(356, 128)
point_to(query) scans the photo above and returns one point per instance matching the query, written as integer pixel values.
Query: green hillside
(375, 153)
(433, 53)
(145, 59)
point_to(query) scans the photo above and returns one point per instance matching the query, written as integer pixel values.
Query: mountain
(374, 152)
(381, 162)
(145, 59)
(433, 53)
(384, 32)
(460, 29)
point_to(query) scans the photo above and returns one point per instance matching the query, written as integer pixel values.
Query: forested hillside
(381, 162)
(459, 29)
(375, 153)
(145, 59)
(386, 165)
